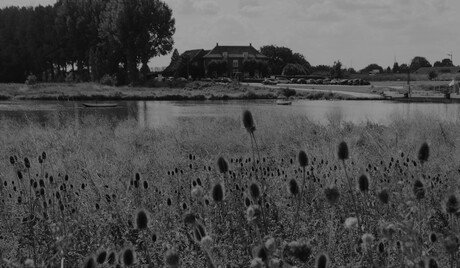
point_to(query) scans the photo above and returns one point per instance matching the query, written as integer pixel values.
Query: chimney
(217, 44)
(250, 44)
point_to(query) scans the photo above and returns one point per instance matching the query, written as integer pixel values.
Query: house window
(235, 63)
(225, 54)
(245, 55)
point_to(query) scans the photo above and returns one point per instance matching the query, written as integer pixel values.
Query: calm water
(153, 114)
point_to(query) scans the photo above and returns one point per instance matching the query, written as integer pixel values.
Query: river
(153, 114)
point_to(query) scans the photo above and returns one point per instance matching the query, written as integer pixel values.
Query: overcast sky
(356, 32)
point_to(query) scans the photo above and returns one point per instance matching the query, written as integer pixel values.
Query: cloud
(195, 7)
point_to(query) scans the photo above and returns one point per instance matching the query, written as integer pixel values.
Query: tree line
(84, 40)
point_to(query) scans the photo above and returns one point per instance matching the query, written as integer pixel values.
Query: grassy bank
(102, 174)
(190, 91)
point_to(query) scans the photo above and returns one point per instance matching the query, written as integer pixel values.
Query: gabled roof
(427, 70)
(191, 55)
(234, 52)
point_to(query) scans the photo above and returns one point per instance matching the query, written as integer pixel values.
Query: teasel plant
(249, 125)
(343, 155)
(303, 162)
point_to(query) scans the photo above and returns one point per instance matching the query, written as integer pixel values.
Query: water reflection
(153, 114)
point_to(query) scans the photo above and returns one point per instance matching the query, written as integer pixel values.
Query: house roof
(234, 52)
(427, 70)
(191, 55)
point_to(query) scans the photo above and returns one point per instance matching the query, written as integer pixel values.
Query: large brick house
(235, 61)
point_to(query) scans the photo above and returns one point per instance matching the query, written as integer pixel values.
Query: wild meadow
(249, 190)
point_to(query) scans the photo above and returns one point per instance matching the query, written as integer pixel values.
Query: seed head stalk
(299, 202)
(350, 186)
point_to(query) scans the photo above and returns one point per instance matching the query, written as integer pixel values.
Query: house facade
(189, 64)
(234, 61)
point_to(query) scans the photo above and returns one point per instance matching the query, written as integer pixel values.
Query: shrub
(108, 80)
(287, 92)
(432, 75)
(31, 80)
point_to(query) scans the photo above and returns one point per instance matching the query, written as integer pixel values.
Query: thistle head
(343, 151)
(303, 159)
(423, 153)
(248, 121)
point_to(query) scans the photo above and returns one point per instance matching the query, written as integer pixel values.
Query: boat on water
(100, 105)
(283, 102)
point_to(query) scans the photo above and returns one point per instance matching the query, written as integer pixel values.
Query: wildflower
(252, 212)
(141, 220)
(248, 121)
(270, 244)
(363, 183)
(222, 164)
(274, 263)
(424, 153)
(256, 263)
(351, 223)
(332, 194)
(343, 151)
(206, 242)
(303, 159)
(197, 193)
(322, 261)
(218, 193)
(368, 239)
(172, 258)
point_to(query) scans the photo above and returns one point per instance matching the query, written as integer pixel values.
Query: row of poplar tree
(86, 39)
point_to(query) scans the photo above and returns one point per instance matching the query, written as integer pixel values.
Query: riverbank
(191, 91)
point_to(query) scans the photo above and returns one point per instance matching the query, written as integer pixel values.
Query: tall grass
(146, 196)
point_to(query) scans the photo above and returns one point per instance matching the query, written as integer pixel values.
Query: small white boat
(283, 102)
(100, 105)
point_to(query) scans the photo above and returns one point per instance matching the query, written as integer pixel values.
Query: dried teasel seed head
(101, 257)
(343, 151)
(218, 193)
(112, 258)
(419, 190)
(303, 159)
(423, 153)
(26, 162)
(293, 187)
(363, 183)
(383, 196)
(433, 238)
(432, 263)
(142, 219)
(332, 194)
(248, 121)
(451, 244)
(254, 190)
(322, 261)
(222, 164)
(12, 161)
(190, 218)
(128, 257)
(172, 258)
(90, 263)
(452, 204)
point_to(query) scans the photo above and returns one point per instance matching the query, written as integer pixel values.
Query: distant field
(105, 176)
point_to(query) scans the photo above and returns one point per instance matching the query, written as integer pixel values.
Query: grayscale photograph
(229, 133)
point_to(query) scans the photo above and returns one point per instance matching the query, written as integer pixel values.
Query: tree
(395, 68)
(175, 55)
(432, 75)
(217, 68)
(280, 56)
(336, 70)
(294, 69)
(418, 62)
(403, 68)
(371, 67)
(142, 29)
(444, 63)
